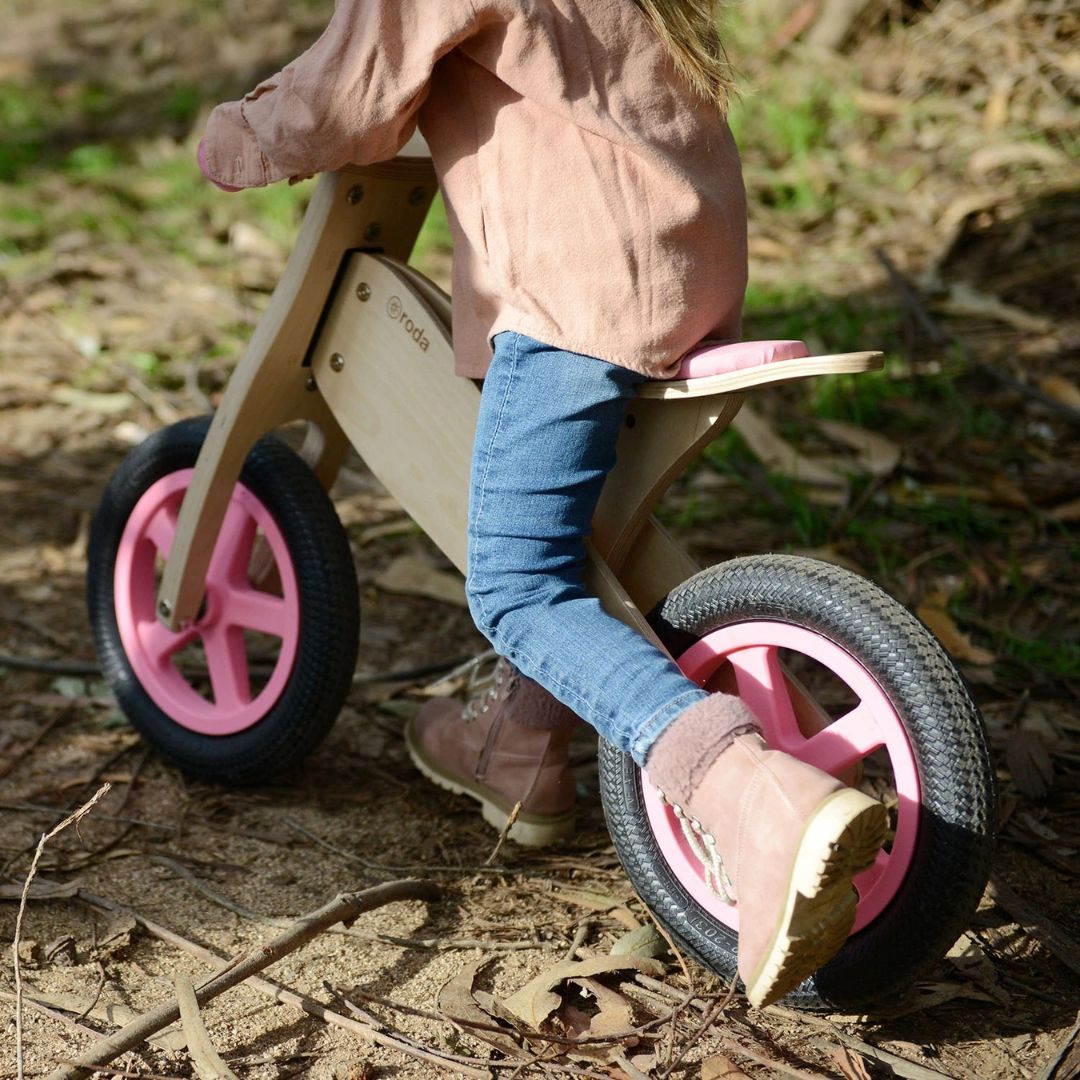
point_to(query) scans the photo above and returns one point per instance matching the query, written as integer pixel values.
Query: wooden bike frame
(359, 345)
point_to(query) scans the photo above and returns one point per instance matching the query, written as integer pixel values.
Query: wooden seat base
(782, 371)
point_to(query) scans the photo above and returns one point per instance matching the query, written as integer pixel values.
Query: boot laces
(482, 697)
(703, 846)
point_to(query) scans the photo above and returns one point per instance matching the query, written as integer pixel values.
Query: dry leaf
(956, 643)
(594, 901)
(170, 1038)
(989, 158)
(965, 301)
(719, 1067)
(829, 554)
(536, 1001)
(414, 577)
(387, 528)
(1068, 511)
(457, 1004)
(615, 1015)
(850, 1063)
(778, 455)
(877, 454)
(1030, 763)
(40, 890)
(1061, 389)
(644, 941)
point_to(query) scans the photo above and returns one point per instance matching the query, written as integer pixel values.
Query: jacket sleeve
(352, 97)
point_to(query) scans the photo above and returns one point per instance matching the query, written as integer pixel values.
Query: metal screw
(417, 196)
(311, 384)
(373, 231)
(337, 362)
(355, 194)
(165, 609)
(363, 291)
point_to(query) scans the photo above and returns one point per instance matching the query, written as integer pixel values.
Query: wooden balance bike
(213, 534)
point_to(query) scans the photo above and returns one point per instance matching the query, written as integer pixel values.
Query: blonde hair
(688, 29)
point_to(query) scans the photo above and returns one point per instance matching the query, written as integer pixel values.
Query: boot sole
(529, 830)
(841, 839)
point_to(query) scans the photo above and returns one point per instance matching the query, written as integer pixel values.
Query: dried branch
(283, 994)
(1040, 926)
(204, 1055)
(45, 838)
(504, 834)
(64, 714)
(343, 908)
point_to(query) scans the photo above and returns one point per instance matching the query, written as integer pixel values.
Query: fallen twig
(266, 986)
(504, 834)
(27, 747)
(55, 1014)
(204, 1055)
(365, 935)
(53, 667)
(128, 1073)
(912, 1070)
(1040, 926)
(733, 1046)
(706, 1020)
(382, 868)
(1067, 1050)
(343, 908)
(45, 838)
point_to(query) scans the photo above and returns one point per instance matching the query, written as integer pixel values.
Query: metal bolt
(417, 196)
(165, 609)
(311, 384)
(337, 362)
(355, 194)
(373, 231)
(363, 291)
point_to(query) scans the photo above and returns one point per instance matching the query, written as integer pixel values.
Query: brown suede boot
(510, 744)
(788, 838)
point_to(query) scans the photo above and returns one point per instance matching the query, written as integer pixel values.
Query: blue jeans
(545, 441)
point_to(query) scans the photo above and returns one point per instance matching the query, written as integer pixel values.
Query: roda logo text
(396, 310)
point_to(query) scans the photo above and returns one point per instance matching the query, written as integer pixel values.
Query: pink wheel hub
(232, 605)
(752, 650)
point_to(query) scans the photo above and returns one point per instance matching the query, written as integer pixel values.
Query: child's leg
(791, 837)
(545, 442)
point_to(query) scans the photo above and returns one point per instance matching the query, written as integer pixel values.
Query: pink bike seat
(721, 358)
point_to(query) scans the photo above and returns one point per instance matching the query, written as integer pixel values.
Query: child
(599, 221)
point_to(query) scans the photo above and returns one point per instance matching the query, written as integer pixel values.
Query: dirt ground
(992, 439)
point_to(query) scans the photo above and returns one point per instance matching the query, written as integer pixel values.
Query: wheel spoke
(865, 881)
(761, 684)
(232, 552)
(162, 528)
(226, 659)
(845, 742)
(255, 610)
(160, 643)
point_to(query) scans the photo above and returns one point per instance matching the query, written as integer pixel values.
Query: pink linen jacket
(595, 203)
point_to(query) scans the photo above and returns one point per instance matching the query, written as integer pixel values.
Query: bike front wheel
(845, 678)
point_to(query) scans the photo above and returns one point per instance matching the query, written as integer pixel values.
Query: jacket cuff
(232, 154)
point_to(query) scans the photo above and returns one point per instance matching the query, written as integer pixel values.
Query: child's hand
(204, 169)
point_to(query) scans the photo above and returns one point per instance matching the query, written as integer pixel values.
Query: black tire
(951, 862)
(325, 659)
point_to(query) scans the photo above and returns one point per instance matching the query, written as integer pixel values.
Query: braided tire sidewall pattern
(329, 603)
(951, 863)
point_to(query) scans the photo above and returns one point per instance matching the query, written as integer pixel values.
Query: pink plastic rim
(752, 649)
(232, 605)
